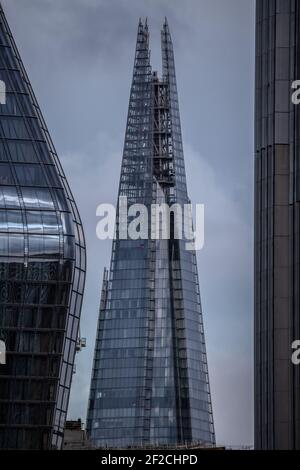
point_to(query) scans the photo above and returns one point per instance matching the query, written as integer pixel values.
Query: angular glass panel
(34, 222)
(30, 175)
(15, 221)
(13, 128)
(16, 245)
(6, 174)
(9, 198)
(21, 151)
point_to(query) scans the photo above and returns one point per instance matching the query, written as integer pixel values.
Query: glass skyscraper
(42, 267)
(150, 379)
(277, 225)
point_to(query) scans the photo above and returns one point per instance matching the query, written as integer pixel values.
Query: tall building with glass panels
(42, 267)
(277, 225)
(150, 379)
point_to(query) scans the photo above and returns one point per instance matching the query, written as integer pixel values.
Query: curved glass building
(150, 380)
(42, 267)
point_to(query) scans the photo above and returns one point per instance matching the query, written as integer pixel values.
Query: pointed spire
(146, 26)
(166, 26)
(140, 26)
(142, 43)
(165, 30)
(167, 50)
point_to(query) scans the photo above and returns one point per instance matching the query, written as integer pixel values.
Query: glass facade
(42, 267)
(277, 227)
(150, 379)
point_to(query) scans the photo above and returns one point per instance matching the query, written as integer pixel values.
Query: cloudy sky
(79, 57)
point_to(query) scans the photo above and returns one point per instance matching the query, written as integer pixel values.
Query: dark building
(42, 267)
(75, 436)
(277, 225)
(150, 379)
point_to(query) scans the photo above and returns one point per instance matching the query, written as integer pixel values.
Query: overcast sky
(79, 57)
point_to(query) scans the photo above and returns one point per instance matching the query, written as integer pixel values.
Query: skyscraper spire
(149, 380)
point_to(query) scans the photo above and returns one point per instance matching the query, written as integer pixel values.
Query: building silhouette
(42, 267)
(277, 234)
(75, 436)
(150, 380)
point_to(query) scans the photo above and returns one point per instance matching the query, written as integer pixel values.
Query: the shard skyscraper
(150, 379)
(42, 267)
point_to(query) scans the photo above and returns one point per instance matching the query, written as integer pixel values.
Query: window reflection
(37, 303)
